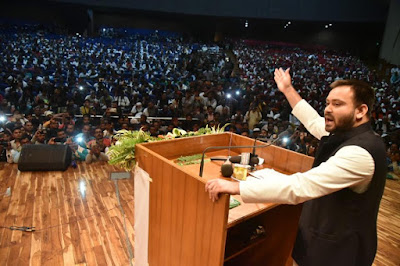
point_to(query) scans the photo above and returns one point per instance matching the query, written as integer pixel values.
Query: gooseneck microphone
(286, 132)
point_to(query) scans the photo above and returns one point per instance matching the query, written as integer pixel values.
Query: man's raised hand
(283, 79)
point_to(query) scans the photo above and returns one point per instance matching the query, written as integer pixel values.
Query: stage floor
(78, 219)
(76, 215)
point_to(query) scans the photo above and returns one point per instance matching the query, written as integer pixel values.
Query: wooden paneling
(184, 223)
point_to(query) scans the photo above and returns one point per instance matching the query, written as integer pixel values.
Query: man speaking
(342, 191)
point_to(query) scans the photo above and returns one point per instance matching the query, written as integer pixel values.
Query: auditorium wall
(390, 50)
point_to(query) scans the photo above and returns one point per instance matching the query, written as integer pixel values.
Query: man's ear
(361, 111)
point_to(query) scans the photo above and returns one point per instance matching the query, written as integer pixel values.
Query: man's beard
(343, 124)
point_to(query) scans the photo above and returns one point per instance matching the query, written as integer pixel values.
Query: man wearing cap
(137, 108)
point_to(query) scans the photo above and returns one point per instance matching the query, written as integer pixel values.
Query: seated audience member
(125, 126)
(394, 166)
(70, 130)
(37, 118)
(165, 111)
(187, 124)
(175, 122)
(121, 100)
(17, 117)
(85, 120)
(29, 129)
(209, 114)
(137, 108)
(153, 131)
(256, 133)
(109, 131)
(14, 154)
(113, 110)
(263, 134)
(86, 108)
(245, 133)
(96, 155)
(17, 135)
(151, 110)
(99, 140)
(253, 117)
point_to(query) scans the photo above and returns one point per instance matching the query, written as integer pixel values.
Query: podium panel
(187, 228)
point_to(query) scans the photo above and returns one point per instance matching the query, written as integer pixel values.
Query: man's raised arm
(284, 82)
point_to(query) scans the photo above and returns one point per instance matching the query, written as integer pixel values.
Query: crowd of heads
(68, 89)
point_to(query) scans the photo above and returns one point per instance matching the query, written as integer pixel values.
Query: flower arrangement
(122, 153)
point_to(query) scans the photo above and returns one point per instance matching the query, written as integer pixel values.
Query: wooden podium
(187, 228)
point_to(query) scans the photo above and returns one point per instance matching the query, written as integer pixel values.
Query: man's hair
(16, 128)
(363, 92)
(26, 137)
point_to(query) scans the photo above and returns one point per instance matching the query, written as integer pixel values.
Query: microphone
(283, 133)
(227, 169)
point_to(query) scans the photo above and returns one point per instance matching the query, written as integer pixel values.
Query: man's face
(70, 129)
(86, 130)
(153, 130)
(96, 150)
(340, 110)
(109, 126)
(61, 134)
(28, 127)
(17, 134)
(53, 124)
(98, 133)
(41, 137)
(25, 141)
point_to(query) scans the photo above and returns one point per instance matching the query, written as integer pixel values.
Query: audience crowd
(72, 90)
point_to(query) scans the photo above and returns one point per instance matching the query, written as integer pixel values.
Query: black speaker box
(43, 157)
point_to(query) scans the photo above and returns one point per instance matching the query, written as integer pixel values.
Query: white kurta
(351, 166)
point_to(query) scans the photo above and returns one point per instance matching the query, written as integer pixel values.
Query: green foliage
(122, 153)
(190, 159)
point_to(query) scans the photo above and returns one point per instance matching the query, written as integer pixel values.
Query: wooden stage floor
(78, 219)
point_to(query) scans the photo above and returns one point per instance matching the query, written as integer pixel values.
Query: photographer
(60, 139)
(39, 137)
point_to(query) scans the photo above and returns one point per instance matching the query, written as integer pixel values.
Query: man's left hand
(216, 186)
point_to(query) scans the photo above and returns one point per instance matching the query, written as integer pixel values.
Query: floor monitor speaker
(44, 157)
